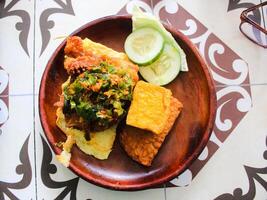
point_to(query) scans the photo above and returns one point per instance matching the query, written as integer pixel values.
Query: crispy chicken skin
(143, 146)
(74, 47)
(77, 58)
(81, 55)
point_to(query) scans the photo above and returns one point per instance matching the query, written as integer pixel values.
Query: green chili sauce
(99, 96)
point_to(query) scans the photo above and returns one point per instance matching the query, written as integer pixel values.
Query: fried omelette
(142, 145)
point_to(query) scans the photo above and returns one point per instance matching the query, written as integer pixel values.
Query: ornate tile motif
(230, 73)
(45, 25)
(3, 97)
(47, 168)
(253, 175)
(17, 150)
(3, 82)
(6, 10)
(24, 169)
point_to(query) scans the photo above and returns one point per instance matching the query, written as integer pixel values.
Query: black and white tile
(32, 29)
(17, 174)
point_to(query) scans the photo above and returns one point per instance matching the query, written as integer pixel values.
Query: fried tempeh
(141, 145)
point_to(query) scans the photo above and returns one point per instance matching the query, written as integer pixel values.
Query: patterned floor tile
(57, 19)
(16, 44)
(224, 22)
(235, 167)
(17, 174)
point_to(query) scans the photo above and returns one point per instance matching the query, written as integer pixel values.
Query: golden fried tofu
(150, 107)
(141, 145)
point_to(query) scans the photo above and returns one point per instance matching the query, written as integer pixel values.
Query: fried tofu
(141, 145)
(150, 107)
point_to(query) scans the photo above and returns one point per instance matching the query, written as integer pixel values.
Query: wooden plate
(184, 143)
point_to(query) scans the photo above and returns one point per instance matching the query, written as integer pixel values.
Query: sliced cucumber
(141, 19)
(165, 68)
(144, 45)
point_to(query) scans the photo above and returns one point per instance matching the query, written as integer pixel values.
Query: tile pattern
(31, 162)
(47, 168)
(3, 96)
(24, 169)
(17, 18)
(17, 149)
(3, 82)
(45, 24)
(16, 111)
(6, 10)
(253, 175)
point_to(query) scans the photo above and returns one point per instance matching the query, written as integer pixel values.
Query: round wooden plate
(185, 141)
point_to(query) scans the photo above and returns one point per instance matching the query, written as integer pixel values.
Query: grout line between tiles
(151, 4)
(242, 85)
(33, 66)
(19, 95)
(29, 94)
(165, 192)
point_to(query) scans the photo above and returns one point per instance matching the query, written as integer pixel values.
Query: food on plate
(103, 89)
(150, 107)
(157, 51)
(95, 97)
(142, 145)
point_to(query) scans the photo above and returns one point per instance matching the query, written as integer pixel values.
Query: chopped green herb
(99, 95)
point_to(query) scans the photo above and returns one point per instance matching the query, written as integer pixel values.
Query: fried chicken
(82, 55)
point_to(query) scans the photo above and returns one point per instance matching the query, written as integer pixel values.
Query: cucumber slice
(141, 19)
(165, 68)
(144, 45)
